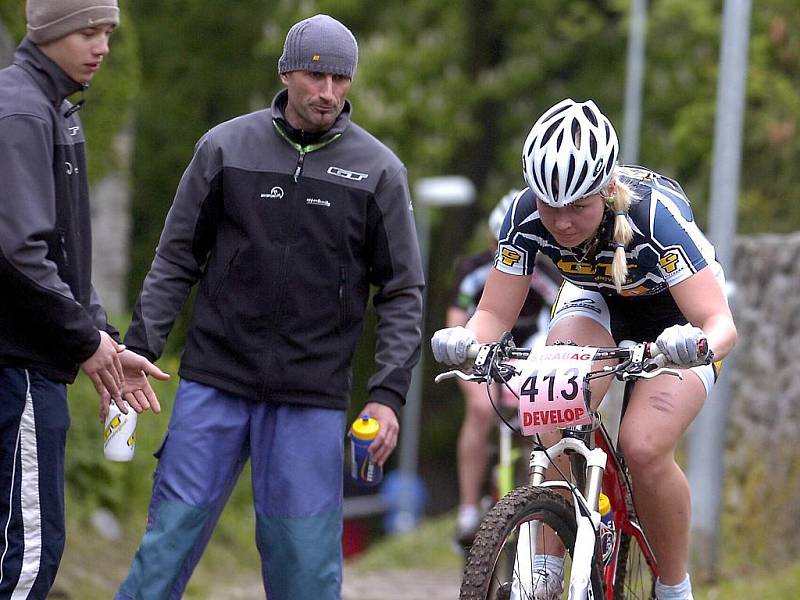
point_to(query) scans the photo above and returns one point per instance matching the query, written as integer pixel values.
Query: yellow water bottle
(363, 469)
(607, 531)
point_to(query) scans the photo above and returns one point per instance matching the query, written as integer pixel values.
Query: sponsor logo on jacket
(345, 174)
(275, 193)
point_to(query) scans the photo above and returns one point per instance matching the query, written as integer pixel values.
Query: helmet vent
(542, 176)
(549, 133)
(576, 133)
(611, 160)
(584, 170)
(590, 115)
(570, 173)
(557, 110)
(554, 183)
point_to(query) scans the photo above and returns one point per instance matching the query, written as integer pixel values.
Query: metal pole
(707, 436)
(442, 191)
(410, 423)
(637, 34)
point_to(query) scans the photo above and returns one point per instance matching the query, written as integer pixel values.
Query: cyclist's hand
(682, 345)
(450, 345)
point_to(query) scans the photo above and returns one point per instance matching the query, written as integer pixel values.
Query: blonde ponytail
(619, 202)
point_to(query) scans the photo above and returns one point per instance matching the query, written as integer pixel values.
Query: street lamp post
(429, 192)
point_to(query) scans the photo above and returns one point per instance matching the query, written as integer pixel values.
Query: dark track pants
(34, 418)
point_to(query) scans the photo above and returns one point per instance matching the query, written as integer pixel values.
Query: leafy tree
(201, 66)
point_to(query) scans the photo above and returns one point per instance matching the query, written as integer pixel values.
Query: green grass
(429, 546)
(777, 584)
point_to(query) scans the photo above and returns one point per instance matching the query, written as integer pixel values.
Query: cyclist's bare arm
(702, 302)
(500, 305)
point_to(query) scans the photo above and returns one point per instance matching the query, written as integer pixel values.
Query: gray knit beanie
(49, 20)
(321, 44)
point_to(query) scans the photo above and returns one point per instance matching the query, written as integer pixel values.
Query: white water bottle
(119, 435)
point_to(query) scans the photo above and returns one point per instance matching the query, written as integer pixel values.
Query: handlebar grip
(659, 358)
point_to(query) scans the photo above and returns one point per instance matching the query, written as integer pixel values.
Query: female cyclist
(636, 267)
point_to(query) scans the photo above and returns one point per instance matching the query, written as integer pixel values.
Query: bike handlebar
(639, 361)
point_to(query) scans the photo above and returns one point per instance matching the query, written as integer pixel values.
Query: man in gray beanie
(51, 321)
(287, 218)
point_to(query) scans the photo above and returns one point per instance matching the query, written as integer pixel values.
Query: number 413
(567, 389)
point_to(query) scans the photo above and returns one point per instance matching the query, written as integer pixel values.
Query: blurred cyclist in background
(479, 419)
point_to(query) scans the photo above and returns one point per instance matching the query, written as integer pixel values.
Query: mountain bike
(602, 558)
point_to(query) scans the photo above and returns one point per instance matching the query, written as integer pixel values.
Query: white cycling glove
(450, 345)
(680, 343)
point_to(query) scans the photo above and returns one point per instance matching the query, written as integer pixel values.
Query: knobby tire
(486, 573)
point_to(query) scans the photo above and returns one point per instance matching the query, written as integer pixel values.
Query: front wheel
(529, 521)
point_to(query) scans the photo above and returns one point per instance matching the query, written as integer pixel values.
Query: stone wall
(111, 230)
(762, 482)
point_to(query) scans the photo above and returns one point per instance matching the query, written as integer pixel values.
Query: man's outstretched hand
(136, 390)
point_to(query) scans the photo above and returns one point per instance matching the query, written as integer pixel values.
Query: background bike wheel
(634, 580)
(495, 570)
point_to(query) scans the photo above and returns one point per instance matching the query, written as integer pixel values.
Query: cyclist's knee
(645, 456)
(482, 413)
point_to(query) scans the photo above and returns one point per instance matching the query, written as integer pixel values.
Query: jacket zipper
(300, 158)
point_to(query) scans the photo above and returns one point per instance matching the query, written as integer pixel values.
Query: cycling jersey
(667, 246)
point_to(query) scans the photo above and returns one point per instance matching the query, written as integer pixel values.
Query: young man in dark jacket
(51, 320)
(287, 217)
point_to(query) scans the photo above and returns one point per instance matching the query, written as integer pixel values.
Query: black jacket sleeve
(396, 270)
(27, 221)
(181, 253)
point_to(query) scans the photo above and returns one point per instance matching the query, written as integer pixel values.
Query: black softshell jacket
(49, 312)
(286, 241)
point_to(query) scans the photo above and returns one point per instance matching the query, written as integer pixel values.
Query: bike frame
(618, 489)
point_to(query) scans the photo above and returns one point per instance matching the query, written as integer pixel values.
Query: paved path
(414, 584)
(401, 585)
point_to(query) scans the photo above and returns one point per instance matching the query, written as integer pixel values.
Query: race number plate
(550, 388)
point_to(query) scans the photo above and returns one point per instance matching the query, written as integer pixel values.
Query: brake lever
(457, 374)
(650, 374)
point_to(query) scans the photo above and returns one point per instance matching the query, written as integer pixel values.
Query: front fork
(587, 516)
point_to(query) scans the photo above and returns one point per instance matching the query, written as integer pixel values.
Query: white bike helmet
(498, 214)
(569, 153)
